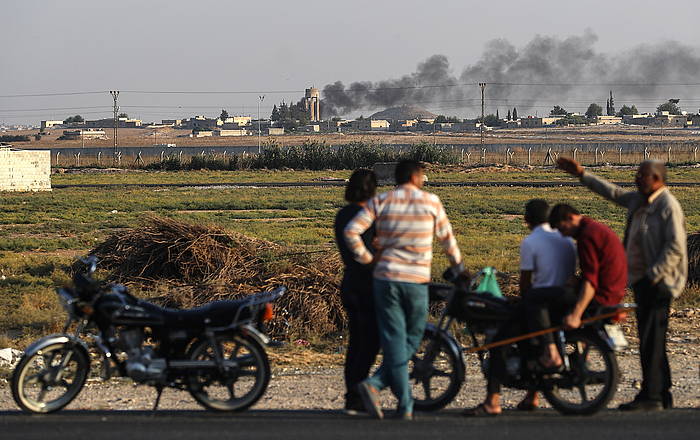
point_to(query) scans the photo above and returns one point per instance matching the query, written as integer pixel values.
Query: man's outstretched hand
(570, 166)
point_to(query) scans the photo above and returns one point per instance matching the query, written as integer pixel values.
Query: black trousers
(544, 305)
(363, 340)
(497, 356)
(652, 325)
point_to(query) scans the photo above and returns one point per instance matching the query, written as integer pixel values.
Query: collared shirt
(549, 255)
(636, 259)
(602, 259)
(405, 219)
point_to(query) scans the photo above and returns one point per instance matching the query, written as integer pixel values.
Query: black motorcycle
(216, 352)
(586, 382)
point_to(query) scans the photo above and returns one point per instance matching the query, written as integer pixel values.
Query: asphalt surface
(288, 424)
(342, 183)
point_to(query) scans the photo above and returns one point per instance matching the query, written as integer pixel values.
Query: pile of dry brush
(192, 264)
(694, 259)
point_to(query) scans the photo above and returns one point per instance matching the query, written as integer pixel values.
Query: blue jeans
(402, 311)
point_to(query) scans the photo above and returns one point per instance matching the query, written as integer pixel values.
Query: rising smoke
(557, 63)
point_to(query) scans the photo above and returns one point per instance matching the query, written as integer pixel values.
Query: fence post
(99, 158)
(529, 156)
(669, 154)
(162, 155)
(77, 159)
(695, 154)
(595, 161)
(507, 155)
(58, 153)
(469, 156)
(646, 153)
(511, 154)
(602, 156)
(574, 152)
(620, 155)
(483, 155)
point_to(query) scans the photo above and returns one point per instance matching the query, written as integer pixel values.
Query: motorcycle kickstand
(159, 390)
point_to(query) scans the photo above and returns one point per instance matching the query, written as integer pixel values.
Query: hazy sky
(203, 45)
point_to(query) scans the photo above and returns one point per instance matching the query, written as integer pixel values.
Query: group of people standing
(386, 244)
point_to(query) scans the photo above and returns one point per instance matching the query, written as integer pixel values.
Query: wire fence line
(274, 157)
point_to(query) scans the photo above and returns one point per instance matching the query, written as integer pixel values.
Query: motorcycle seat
(215, 314)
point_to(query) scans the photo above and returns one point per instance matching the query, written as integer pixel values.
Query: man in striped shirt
(405, 219)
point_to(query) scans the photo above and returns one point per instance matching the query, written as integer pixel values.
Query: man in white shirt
(547, 264)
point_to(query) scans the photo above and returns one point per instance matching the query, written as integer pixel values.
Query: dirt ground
(307, 379)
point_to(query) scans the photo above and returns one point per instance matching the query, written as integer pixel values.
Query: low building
(172, 122)
(89, 133)
(608, 120)
(403, 124)
(531, 122)
(665, 119)
(24, 170)
(109, 123)
(274, 131)
(202, 122)
(370, 125)
(311, 128)
(241, 121)
(202, 133)
(223, 132)
(695, 120)
(50, 124)
(512, 124)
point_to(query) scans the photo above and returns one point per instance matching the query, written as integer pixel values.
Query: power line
(33, 95)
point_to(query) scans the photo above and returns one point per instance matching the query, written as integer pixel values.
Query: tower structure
(312, 104)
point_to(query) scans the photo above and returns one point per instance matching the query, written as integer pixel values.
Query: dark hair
(561, 212)
(536, 211)
(361, 186)
(405, 169)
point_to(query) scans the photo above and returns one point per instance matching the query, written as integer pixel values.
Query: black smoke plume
(546, 71)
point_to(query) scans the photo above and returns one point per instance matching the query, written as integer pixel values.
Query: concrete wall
(23, 170)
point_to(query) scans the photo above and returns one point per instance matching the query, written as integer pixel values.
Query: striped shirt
(405, 219)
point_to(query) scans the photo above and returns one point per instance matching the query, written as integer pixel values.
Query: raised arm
(596, 184)
(443, 232)
(354, 230)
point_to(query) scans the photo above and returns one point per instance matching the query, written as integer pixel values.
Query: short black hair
(561, 212)
(536, 211)
(361, 186)
(405, 169)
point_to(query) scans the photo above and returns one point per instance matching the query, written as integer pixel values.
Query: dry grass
(193, 264)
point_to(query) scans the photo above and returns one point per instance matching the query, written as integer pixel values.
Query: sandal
(479, 411)
(525, 405)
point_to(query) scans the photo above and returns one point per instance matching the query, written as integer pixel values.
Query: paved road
(279, 424)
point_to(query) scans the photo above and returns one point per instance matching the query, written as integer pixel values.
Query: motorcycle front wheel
(590, 382)
(51, 378)
(436, 373)
(243, 379)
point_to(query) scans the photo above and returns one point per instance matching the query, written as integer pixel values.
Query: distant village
(306, 117)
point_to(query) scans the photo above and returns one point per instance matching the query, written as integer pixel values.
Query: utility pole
(483, 86)
(115, 94)
(260, 100)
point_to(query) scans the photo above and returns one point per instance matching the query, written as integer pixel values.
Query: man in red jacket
(603, 264)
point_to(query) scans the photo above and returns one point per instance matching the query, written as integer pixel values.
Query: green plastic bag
(488, 283)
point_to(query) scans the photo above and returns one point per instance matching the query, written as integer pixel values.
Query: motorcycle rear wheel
(591, 381)
(244, 381)
(50, 379)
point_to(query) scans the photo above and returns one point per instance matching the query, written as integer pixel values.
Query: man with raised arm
(657, 255)
(406, 219)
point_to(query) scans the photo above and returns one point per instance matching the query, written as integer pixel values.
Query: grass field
(41, 233)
